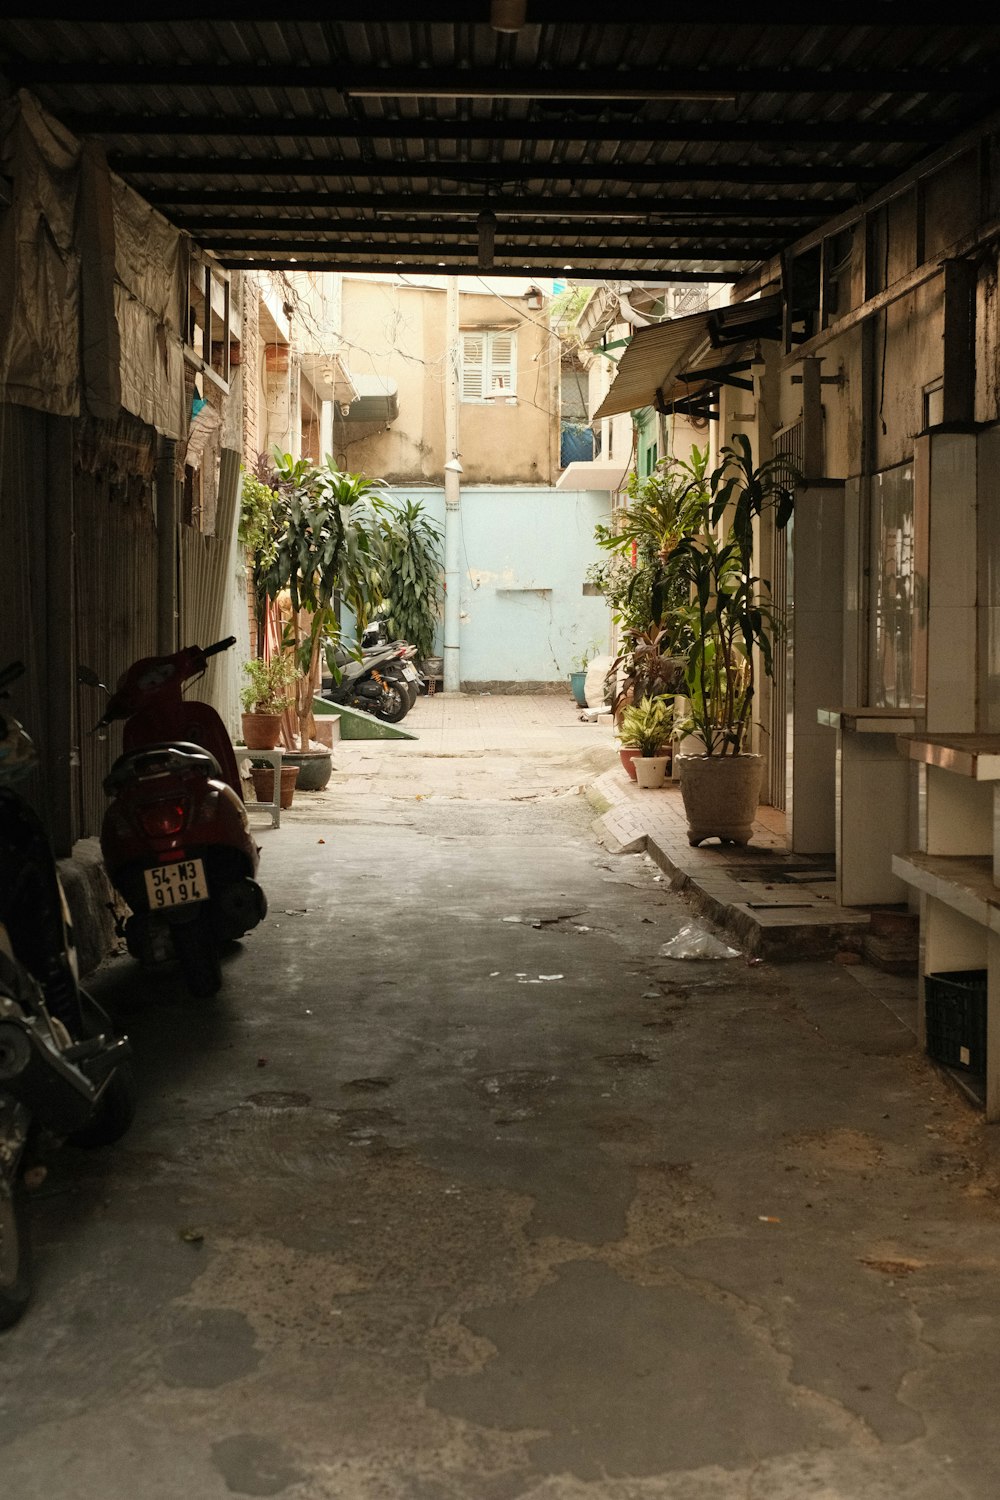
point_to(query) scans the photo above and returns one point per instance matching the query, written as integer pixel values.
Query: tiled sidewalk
(761, 894)
(779, 906)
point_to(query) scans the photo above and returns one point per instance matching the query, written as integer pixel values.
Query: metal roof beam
(468, 267)
(342, 127)
(718, 83)
(542, 13)
(200, 225)
(489, 171)
(551, 206)
(300, 249)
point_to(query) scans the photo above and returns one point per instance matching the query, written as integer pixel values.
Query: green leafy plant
(648, 725)
(410, 569)
(729, 616)
(271, 688)
(639, 580)
(260, 526)
(327, 548)
(582, 662)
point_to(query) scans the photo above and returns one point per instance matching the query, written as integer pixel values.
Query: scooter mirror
(89, 678)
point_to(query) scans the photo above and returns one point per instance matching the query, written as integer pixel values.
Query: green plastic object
(355, 724)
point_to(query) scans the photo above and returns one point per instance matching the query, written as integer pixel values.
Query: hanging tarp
(150, 271)
(39, 262)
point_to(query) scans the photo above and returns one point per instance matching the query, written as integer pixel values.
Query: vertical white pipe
(452, 497)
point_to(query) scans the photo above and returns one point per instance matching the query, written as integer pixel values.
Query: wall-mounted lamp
(454, 466)
(534, 298)
(486, 226)
(507, 15)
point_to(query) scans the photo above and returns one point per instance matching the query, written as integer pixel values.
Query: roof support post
(958, 386)
(452, 498)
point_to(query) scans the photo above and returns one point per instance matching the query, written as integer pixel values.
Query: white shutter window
(502, 365)
(489, 365)
(473, 366)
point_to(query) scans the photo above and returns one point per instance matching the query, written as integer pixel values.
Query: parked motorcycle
(175, 838)
(64, 1074)
(405, 669)
(373, 682)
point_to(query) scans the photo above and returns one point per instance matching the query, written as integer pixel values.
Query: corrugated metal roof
(360, 136)
(651, 360)
(677, 360)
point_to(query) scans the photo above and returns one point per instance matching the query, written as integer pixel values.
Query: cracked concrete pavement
(432, 1204)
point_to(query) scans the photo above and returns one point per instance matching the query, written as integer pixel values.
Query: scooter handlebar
(219, 646)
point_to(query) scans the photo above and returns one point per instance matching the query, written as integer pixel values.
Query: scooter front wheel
(198, 955)
(15, 1253)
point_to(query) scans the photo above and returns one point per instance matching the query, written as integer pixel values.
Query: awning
(647, 362)
(675, 366)
(593, 474)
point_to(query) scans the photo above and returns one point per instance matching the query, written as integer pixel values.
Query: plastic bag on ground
(695, 942)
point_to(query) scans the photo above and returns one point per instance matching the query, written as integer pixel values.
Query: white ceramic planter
(720, 795)
(650, 770)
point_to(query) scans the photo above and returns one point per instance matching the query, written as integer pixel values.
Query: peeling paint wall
(525, 553)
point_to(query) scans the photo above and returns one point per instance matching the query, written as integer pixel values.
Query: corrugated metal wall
(115, 561)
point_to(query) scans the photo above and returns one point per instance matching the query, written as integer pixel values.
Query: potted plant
(578, 676)
(732, 626)
(269, 691)
(646, 728)
(326, 552)
(640, 580)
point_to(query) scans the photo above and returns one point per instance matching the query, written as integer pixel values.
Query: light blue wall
(524, 558)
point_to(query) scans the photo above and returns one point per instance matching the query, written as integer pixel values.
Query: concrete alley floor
(460, 1190)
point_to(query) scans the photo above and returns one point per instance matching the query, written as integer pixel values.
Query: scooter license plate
(410, 673)
(179, 884)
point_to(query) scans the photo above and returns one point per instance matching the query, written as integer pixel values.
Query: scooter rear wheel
(15, 1253)
(393, 704)
(198, 955)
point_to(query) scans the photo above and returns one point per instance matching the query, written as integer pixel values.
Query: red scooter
(175, 838)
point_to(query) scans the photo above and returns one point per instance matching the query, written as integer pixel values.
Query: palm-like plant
(327, 547)
(410, 570)
(729, 614)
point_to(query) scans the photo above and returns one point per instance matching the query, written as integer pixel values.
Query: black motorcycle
(371, 681)
(64, 1074)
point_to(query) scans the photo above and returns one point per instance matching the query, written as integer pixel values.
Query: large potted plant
(268, 693)
(647, 726)
(732, 628)
(640, 580)
(327, 551)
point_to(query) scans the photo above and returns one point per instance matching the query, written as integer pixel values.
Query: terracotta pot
(261, 731)
(651, 770)
(627, 754)
(720, 795)
(263, 783)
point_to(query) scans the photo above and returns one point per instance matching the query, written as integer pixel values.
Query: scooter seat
(175, 758)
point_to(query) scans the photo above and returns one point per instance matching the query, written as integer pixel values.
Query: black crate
(955, 1010)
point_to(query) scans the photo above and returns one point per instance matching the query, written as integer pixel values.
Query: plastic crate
(955, 1010)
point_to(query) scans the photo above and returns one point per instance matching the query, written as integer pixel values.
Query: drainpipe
(452, 499)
